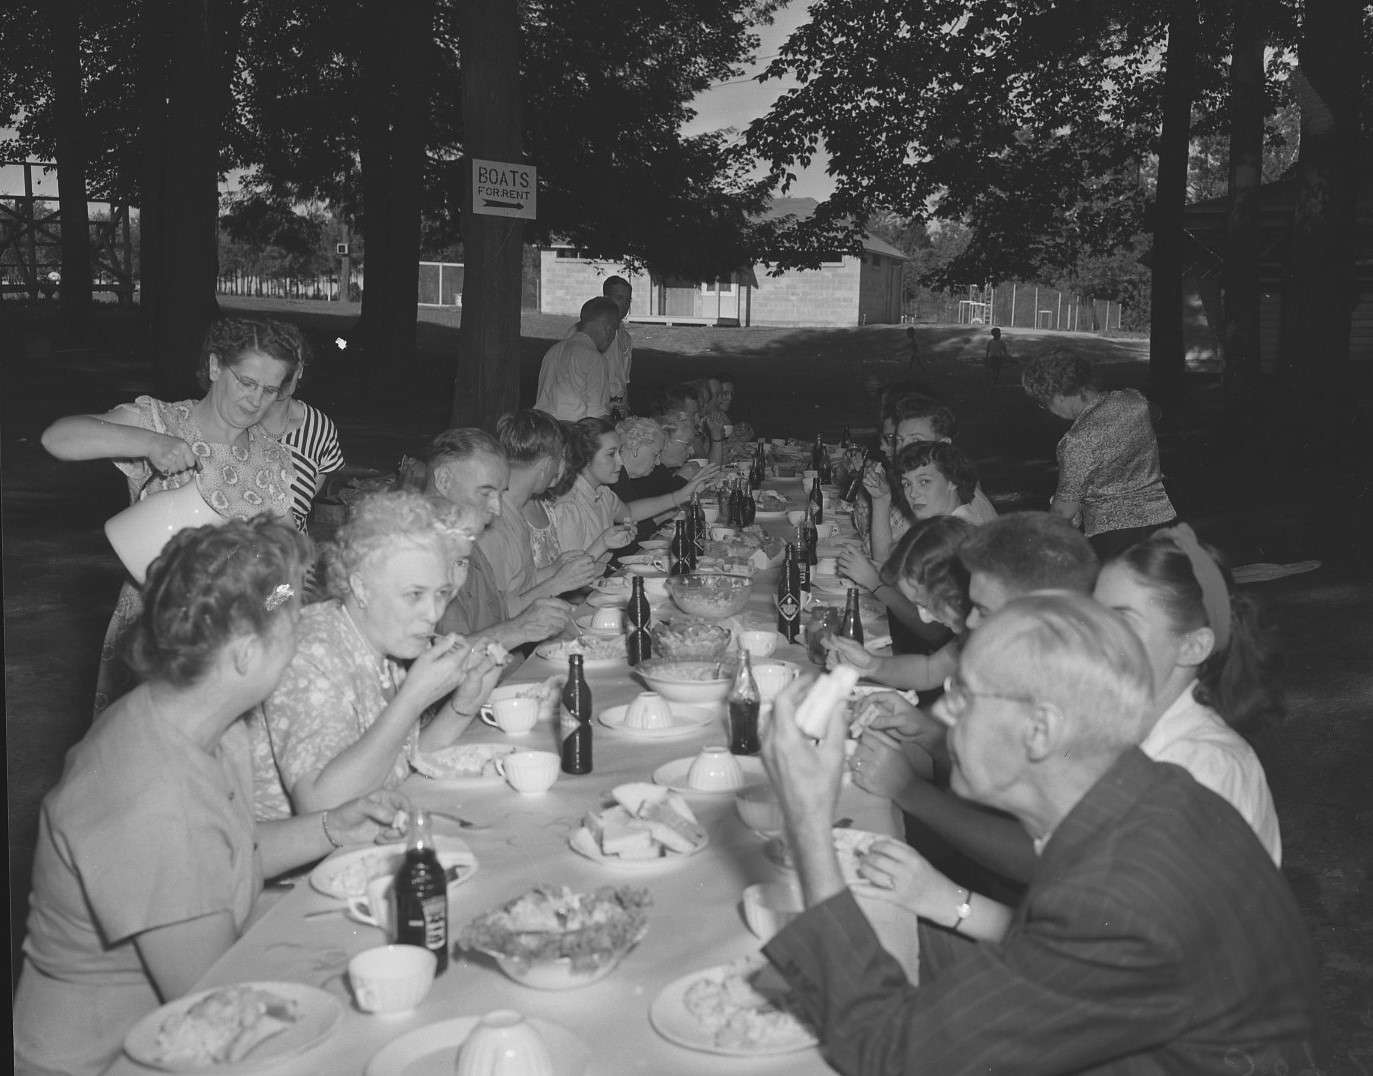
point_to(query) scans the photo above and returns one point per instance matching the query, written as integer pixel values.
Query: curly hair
(946, 459)
(1057, 373)
(1029, 551)
(927, 556)
(230, 339)
(379, 523)
(636, 431)
(209, 585)
(917, 405)
(528, 436)
(583, 442)
(1237, 682)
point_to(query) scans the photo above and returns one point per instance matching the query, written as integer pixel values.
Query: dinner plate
(672, 1019)
(316, 1015)
(674, 775)
(558, 651)
(431, 1050)
(345, 874)
(584, 844)
(687, 720)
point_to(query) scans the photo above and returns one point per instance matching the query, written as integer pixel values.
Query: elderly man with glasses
(1156, 935)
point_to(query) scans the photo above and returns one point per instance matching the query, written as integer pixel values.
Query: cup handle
(361, 910)
(366, 999)
(499, 763)
(489, 716)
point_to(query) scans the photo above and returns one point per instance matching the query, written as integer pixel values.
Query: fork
(458, 820)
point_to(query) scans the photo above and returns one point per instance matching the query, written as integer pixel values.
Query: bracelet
(324, 824)
(964, 910)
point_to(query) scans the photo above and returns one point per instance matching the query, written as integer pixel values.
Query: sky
(732, 104)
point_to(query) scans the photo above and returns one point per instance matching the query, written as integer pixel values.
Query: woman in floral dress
(216, 440)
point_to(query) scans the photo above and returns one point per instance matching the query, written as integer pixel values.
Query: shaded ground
(60, 579)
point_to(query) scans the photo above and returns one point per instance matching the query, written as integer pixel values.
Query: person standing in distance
(574, 378)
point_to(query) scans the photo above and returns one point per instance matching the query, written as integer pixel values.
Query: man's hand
(573, 571)
(885, 766)
(806, 776)
(544, 617)
(859, 569)
(888, 712)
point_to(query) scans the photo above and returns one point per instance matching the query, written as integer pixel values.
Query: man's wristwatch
(964, 909)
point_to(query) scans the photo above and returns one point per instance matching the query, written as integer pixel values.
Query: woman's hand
(438, 670)
(841, 651)
(378, 816)
(859, 569)
(170, 455)
(704, 475)
(715, 425)
(887, 712)
(908, 876)
(480, 674)
(572, 571)
(616, 536)
(875, 482)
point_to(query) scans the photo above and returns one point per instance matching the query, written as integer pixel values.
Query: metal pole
(1035, 312)
(1058, 314)
(1012, 325)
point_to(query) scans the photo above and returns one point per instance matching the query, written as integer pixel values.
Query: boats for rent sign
(502, 189)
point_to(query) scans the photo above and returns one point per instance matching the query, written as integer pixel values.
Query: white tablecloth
(695, 922)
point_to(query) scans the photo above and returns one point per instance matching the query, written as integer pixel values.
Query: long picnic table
(695, 922)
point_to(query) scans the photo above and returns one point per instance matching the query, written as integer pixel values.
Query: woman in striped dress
(306, 432)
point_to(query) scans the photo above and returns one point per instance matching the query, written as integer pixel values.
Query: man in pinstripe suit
(1156, 935)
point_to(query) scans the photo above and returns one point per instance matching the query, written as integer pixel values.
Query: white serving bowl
(683, 681)
(758, 807)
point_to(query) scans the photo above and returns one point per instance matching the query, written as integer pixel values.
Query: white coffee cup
(715, 770)
(378, 908)
(530, 772)
(769, 906)
(391, 978)
(771, 677)
(607, 620)
(649, 710)
(827, 566)
(759, 644)
(513, 716)
(828, 529)
(711, 513)
(504, 1043)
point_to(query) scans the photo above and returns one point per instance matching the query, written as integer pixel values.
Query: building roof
(803, 208)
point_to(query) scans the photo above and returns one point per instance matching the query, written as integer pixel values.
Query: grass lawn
(1233, 480)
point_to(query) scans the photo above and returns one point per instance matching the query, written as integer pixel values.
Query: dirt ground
(60, 578)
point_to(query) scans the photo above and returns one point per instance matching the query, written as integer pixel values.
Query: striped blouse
(315, 451)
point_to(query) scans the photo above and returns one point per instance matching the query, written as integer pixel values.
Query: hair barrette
(283, 593)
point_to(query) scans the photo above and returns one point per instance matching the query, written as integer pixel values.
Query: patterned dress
(315, 452)
(238, 483)
(331, 693)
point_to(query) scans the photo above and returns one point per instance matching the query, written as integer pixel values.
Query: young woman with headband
(1209, 671)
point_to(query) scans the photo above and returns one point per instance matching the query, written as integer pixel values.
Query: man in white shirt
(619, 357)
(574, 378)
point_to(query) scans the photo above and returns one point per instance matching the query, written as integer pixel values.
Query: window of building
(570, 252)
(710, 287)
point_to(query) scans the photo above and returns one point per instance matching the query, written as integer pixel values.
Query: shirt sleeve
(1075, 466)
(330, 451)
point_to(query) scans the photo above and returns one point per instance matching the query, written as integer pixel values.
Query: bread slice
(826, 696)
(630, 840)
(672, 823)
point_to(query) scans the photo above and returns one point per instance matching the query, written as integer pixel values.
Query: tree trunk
(1240, 329)
(1320, 298)
(394, 109)
(189, 50)
(1167, 354)
(65, 16)
(487, 381)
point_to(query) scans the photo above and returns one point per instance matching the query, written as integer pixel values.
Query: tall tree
(189, 48)
(1240, 332)
(65, 20)
(488, 368)
(1167, 355)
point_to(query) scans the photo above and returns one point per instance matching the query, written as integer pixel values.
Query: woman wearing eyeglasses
(159, 446)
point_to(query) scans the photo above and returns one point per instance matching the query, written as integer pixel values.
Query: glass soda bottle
(759, 470)
(802, 560)
(748, 508)
(700, 530)
(639, 643)
(789, 597)
(744, 702)
(576, 719)
(422, 893)
(809, 537)
(817, 500)
(851, 626)
(817, 453)
(678, 562)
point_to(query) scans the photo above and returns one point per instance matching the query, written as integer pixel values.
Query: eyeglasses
(269, 392)
(957, 695)
(678, 441)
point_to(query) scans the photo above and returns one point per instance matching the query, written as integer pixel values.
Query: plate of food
(233, 1029)
(555, 938)
(612, 584)
(849, 844)
(645, 827)
(598, 651)
(430, 1050)
(345, 874)
(771, 504)
(741, 1009)
(463, 765)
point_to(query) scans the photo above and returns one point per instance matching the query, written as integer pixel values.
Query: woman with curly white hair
(349, 713)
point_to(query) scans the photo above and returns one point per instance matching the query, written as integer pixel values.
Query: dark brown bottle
(422, 893)
(817, 453)
(808, 538)
(700, 529)
(803, 572)
(855, 486)
(789, 597)
(817, 501)
(759, 471)
(851, 627)
(638, 642)
(576, 719)
(748, 508)
(826, 468)
(744, 702)
(678, 561)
